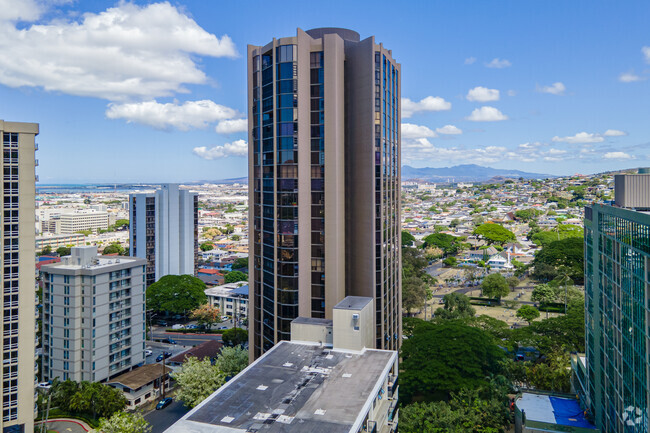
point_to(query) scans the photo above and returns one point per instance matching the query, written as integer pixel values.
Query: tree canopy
(563, 257)
(457, 305)
(63, 251)
(407, 239)
(447, 243)
(206, 315)
(124, 422)
(176, 294)
(235, 276)
(232, 360)
(495, 233)
(495, 286)
(90, 398)
(234, 336)
(206, 246)
(196, 380)
(446, 358)
(528, 313)
(562, 231)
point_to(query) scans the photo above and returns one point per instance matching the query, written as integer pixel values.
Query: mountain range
(465, 173)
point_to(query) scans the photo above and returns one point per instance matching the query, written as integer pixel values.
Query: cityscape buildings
(324, 182)
(93, 316)
(324, 380)
(164, 231)
(617, 307)
(19, 290)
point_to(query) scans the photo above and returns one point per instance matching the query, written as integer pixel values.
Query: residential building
(143, 384)
(164, 231)
(93, 316)
(230, 298)
(209, 349)
(59, 241)
(87, 219)
(617, 308)
(19, 293)
(550, 413)
(324, 189)
(324, 380)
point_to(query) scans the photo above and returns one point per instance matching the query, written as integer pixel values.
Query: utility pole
(162, 378)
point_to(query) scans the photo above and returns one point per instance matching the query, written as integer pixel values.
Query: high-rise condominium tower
(324, 181)
(617, 307)
(19, 291)
(164, 230)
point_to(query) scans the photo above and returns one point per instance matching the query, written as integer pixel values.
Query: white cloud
(629, 77)
(554, 89)
(124, 52)
(646, 53)
(449, 130)
(192, 114)
(498, 63)
(232, 126)
(581, 137)
(482, 94)
(236, 148)
(614, 133)
(410, 130)
(470, 60)
(21, 10)
(430, 103)
(486, 114)
(617, 155)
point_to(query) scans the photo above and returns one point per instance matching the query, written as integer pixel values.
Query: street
(160, 420)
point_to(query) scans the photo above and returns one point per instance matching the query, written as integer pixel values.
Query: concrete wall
(351, 333)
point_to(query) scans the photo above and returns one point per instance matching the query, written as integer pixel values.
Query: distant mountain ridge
(465, 173)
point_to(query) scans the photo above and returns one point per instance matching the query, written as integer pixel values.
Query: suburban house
(141, 384)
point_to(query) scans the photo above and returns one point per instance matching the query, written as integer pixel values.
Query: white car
(224, 318)
(148, 352)
(178, 326)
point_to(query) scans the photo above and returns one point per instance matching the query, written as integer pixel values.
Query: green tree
(544, 294)
(124, 422)
(552, 375)
(527, 214)
(196, 380)
(528, 313)
(407, 239)
(566, 256)
(495, 286)
(96, 399)
(228, 229)
(512, 282)
(235, 238)
(176, 294)
(454, 223)
(447, 243)
(206, 246)
(450, 261)
(562, 231)
(114, 248)
(121, 223)
(63, 251)
(446, 358)
(235, 276)
(232, 360)
(85, 232)
(414, 293)
(494, 233)
(234, 336)
(240, 263)
(45, 251)
(457, 305)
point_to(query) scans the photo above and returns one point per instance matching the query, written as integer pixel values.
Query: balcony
(393, 385)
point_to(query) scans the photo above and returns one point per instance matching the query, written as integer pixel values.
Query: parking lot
(158, 348)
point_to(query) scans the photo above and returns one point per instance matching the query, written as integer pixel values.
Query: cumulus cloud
(629, 77)
(486, 114)
(646, 53)
(23, 10)
(498, 63)
(125, 52)
(449, 130)
(470, 60)
(614, 133)
(580, 137)
(236, 148)
(191, 114)
(617, 155)
(232, 126)
(410, 130)
(482, 94)
(430, 103)
(554, 89)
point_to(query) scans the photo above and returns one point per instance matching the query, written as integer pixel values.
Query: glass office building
(324, 170)
(617, 312)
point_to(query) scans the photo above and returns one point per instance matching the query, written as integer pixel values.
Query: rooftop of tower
(346, 34)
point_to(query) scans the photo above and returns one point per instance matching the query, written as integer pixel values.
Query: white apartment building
(164, 231)
(230, 298)
(19, 294)
(93, 316)
(83, 220)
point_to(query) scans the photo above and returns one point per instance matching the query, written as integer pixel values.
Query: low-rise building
(324, 380)
(230, 298)
(93, 316)
(56, 241)
(142, 384)
(549, 413)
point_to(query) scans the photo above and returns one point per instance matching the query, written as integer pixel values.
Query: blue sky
(156, 91)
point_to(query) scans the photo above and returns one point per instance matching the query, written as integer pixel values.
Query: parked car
(164, 403)
(162, 322)
(192, 326)
(148, 352)
(222, 327)
(178, 326)
(168, 341)
(163, 355)
(224, 318)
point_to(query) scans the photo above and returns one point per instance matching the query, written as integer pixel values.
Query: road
(160, 420)
(185, 339)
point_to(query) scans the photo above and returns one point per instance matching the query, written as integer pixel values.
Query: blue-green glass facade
(617, 317)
